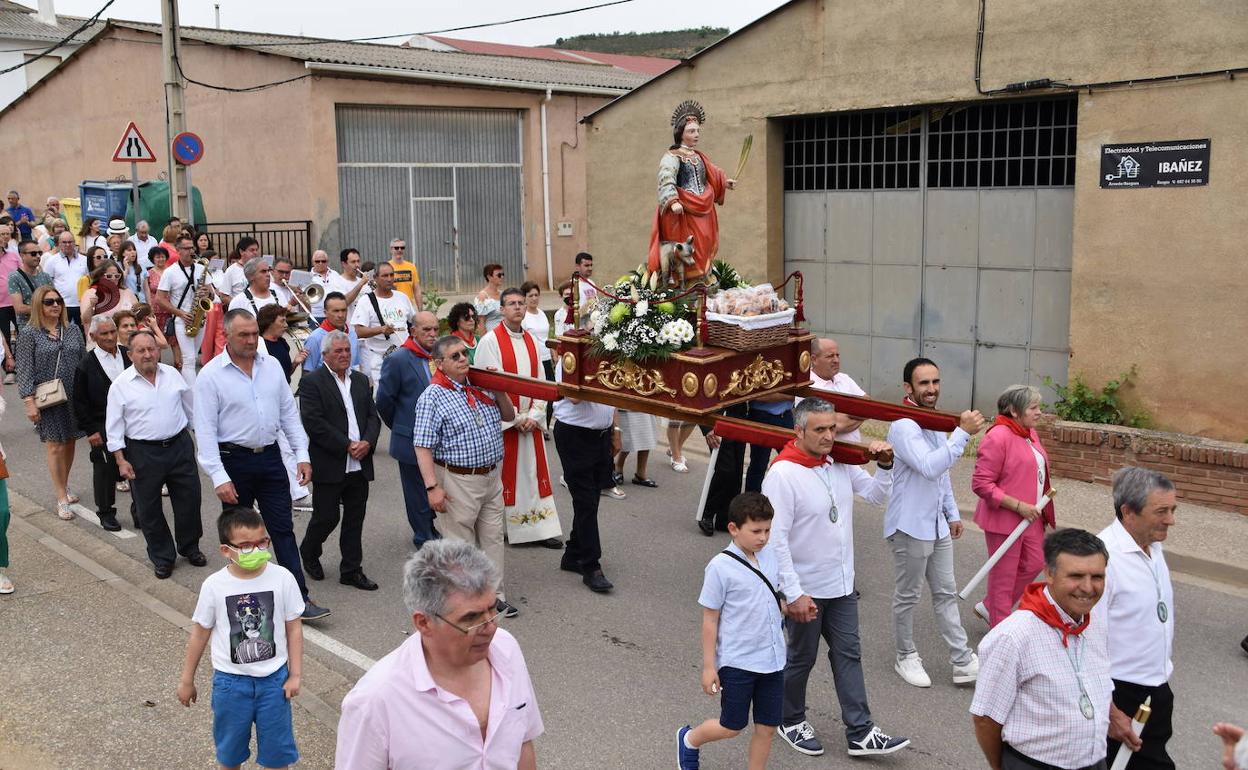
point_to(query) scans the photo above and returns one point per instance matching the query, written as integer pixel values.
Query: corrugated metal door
(944, 233)
(449, 181)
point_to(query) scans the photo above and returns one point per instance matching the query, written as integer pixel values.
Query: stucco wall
(812, 57)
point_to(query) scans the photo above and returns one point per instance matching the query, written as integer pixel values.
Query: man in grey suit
(405, 374)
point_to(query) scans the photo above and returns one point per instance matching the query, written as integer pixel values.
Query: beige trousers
(474, 513)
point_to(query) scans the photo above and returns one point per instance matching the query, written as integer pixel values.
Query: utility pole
(175, 112)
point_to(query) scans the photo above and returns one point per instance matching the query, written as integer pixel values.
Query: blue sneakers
(686, 758)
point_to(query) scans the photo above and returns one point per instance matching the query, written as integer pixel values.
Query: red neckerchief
(1013, 425)
(470, 341)
(417, 350)
(791, 453)
(511, 436)
(327, 326)
(1035, 602)
(910, 402)
(471, 392)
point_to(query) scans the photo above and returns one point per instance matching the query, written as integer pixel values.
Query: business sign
(188, 148)
(1181, 163)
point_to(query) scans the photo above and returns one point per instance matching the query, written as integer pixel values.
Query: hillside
(673, 44)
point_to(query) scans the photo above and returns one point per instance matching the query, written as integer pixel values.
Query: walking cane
(996, 556)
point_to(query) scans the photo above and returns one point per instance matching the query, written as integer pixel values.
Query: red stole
(699, 219)
(511, 436)
(792, 454)
(472, 393)
(1035, 602)
(417, 350)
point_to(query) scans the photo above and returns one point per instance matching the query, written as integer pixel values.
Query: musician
(337, 410)
(322, 274)
(96, 372)
(180, 285)
(335, 320)
(259, 287)
(107, 294)
(381, 320)
(350, 283)
(272, 322)
(235, 279)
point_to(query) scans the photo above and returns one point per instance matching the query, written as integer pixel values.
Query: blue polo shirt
(17, 212)
(751, 628)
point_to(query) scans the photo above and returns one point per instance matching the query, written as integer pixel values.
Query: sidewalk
(93, 647)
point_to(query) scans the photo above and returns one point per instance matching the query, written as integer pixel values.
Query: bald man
(826, 374)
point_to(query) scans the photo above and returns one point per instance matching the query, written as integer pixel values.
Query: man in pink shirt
(457, 691)
(826, 374)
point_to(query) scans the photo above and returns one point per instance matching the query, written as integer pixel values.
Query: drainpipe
(550, 267)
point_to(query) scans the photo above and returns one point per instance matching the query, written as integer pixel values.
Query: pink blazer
(1006, 466)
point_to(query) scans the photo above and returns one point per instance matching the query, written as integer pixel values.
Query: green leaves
(1080, 402)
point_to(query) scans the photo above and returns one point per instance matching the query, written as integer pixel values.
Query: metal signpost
(133, 149)
(187, 150)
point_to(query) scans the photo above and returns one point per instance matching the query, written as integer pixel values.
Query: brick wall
(1206, 472)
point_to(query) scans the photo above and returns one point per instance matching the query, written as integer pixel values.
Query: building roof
(646, 65)
(17, 22)
(492, 70)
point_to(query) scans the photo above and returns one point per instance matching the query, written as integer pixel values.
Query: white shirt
(249, 411)
(235, 280)
(267, 602)
(174, 281)
(353, 427)
(142, 247)
(841, 383)
(327, 282)
(146, 411)
(395, 311)
(65, 274)
(816, 554)
(1027, 683)
(343, 285)
(922, 504)
(111, 363)
(586, 414)
(1141, 645)
(538, 325)
(253, 303)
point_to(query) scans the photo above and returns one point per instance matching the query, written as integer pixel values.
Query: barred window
(854, 151)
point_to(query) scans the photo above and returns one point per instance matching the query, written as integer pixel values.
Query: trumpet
(300, 295)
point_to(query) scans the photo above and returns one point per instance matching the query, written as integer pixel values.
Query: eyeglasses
(249, 547)
(474, 628)
(456, 355)
(398, 248)
(50, 301)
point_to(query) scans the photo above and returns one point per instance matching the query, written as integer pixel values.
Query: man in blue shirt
(23, 217)
(457, 436)
(335, 319)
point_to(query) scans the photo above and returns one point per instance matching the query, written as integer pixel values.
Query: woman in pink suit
(1011, 475)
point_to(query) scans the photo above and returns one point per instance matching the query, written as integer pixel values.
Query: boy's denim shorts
(739, 688)
(238, 701)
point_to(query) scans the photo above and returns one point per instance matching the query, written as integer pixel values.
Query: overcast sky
(361, 18)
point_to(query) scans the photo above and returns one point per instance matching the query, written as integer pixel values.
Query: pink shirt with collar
(1006, 466)
(397, 716)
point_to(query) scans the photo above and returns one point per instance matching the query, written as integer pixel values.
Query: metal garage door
(943, 232)
(449, 181)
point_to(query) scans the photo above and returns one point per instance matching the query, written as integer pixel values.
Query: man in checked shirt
(458, 439)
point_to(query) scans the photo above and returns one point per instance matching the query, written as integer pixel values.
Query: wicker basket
(748, 332)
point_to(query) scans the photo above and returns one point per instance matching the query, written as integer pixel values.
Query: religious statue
(690, 187)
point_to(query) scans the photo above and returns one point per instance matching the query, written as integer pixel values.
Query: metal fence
(285, 238)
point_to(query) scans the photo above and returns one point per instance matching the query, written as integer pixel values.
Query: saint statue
(690, 187)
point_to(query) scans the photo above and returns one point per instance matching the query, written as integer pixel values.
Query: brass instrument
(305, 297)
(297, 329)
(314, 293)
(201, 304)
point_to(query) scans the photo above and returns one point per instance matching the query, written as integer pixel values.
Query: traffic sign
(133, 148)
(188, 149)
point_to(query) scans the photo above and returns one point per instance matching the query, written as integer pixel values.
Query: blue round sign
(188, 148)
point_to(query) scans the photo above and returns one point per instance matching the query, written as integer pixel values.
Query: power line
(61, 42)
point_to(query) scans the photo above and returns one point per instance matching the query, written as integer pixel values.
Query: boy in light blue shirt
(743, 648)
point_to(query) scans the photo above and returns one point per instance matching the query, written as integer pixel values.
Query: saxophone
(201, 303)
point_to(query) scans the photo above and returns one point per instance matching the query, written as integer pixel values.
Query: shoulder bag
(382, 321)
(776, 594)
(50, 393)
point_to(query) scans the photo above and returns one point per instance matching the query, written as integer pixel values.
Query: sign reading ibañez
(1181, 163)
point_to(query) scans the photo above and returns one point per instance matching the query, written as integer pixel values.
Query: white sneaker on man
(967, 674)
(910, 668)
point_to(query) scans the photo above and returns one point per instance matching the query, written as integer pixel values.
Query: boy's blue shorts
(738, 688)
(238, 701)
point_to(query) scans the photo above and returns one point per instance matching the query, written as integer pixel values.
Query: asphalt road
(616, 675)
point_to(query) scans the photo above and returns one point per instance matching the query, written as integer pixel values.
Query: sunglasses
(398, 248)
(457, 355)
(31, 252)
(51, 301)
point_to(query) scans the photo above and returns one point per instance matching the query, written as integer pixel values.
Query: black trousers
(1158, 729)
(726, 478)
(104, 478)
(8, 325)
(585, 454)
(260, 477)
(172, 466)
(351, 495)
(549, 367)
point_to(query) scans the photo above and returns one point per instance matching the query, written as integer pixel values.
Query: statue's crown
(688, 109)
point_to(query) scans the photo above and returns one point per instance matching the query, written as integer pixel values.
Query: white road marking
(332, 645)
(89, 515)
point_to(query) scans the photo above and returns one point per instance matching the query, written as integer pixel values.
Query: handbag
(50, 393)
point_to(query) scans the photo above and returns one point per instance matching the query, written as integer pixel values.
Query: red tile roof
(646, 65)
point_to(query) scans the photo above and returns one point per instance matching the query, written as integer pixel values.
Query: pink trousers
(1010, 576)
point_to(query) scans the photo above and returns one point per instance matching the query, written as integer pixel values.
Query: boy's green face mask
(253, 559)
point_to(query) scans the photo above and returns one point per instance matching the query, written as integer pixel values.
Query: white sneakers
(910, 668)
(967, 674)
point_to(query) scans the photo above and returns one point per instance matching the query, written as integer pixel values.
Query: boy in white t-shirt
(251, 611)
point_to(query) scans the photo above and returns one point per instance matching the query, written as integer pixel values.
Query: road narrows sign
(133, 148)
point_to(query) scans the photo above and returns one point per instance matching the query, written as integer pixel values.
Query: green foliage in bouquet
(725, 276)
(644, 323)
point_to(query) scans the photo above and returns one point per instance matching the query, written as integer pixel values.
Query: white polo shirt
(1141, 645)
